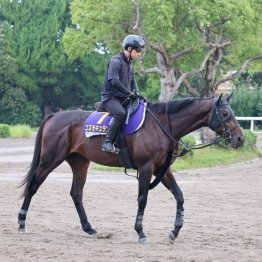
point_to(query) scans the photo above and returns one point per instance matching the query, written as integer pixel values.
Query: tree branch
(137, 10)
(242, 69)
(189, 87)
(180, 53)
(149, 70)
(194, 71)
(221, 45)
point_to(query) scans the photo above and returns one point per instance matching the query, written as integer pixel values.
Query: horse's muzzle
(237, 142)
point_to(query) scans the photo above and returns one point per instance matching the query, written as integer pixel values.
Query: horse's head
(224, 123)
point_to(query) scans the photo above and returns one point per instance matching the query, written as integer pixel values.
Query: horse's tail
(36, 158)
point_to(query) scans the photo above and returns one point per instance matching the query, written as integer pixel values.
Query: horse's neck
(191, 118)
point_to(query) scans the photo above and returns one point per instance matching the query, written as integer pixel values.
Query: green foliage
(250, 140)
(8, 68)
(47, 76)
(242, 102)
(171, 24)
(189, 141)
(4, 130)
(16, 109)
(209, 157)
(20, 131)
(247, 102)
(35, 29)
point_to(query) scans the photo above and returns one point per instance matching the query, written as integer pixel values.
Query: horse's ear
(229, 96)
(219, 99)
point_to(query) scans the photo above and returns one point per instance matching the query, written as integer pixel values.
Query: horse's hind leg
(170, 183)
(40, 174)
(79, 166)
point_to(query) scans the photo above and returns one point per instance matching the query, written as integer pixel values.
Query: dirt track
(223, 215)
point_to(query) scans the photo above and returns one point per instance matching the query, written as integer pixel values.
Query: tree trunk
(47, 110)
(167, 79)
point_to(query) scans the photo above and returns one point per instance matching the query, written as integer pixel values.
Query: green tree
(184, 38)
(16, 109)
(46, 74)
(14, 105)
(8, 67)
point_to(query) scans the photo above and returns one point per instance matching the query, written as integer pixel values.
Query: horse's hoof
(94, 235)
(90, 231)
(171, 237)
(143, 240)
(21, 230)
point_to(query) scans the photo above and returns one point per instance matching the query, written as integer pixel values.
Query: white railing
(251, 119)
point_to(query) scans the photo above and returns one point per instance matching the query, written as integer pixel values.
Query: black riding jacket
(119, 78)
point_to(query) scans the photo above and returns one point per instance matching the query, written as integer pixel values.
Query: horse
(61, 138)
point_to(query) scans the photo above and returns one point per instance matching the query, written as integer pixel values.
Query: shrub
(20, 131)
(4, 130)
(16, 109)
(250, 140)
(189, 141)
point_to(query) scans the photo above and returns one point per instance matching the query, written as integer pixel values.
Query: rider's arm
(117, 84)
(114, 69)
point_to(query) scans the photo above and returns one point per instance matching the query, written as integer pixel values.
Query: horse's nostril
(241, 139)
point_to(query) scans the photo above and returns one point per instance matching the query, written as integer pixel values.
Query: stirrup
(113, 149)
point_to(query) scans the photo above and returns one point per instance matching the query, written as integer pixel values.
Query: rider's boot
(108, 144)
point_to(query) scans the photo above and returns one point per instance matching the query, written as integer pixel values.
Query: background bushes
(189, 141)
(250, 140)
(15, 131)
(4, 130)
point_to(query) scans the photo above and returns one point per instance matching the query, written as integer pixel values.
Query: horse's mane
(171, 106)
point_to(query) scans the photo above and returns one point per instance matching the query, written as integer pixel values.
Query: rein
(226, 134)
(186, 148)
(215, 121)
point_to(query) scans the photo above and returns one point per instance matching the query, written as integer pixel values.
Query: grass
(18, 131)
(207, 157)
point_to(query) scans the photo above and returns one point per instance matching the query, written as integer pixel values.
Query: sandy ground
(223, 215)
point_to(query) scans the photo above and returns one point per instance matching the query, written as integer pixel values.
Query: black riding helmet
(135, 41)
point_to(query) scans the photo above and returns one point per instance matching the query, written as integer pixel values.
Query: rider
(119, 84)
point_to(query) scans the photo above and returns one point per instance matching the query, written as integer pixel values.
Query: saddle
(97, 124)
(131, 105)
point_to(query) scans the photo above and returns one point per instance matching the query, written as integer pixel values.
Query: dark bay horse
(60, 138)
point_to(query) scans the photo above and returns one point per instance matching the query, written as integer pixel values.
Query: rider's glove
(133, 95)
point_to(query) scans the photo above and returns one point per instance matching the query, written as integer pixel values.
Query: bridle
(216, 122)
(219, 121)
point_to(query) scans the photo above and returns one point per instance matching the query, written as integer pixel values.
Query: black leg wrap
(21, 219)
(176, 231)
(139, 226)
(139, 221)
(178, 224)
(179, 218)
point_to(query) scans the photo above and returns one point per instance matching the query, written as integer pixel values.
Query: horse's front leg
(170, 183)
(145, 174)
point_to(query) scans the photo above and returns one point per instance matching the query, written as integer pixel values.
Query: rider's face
(136, 53)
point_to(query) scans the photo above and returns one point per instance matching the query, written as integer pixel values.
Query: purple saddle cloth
(97, 123)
